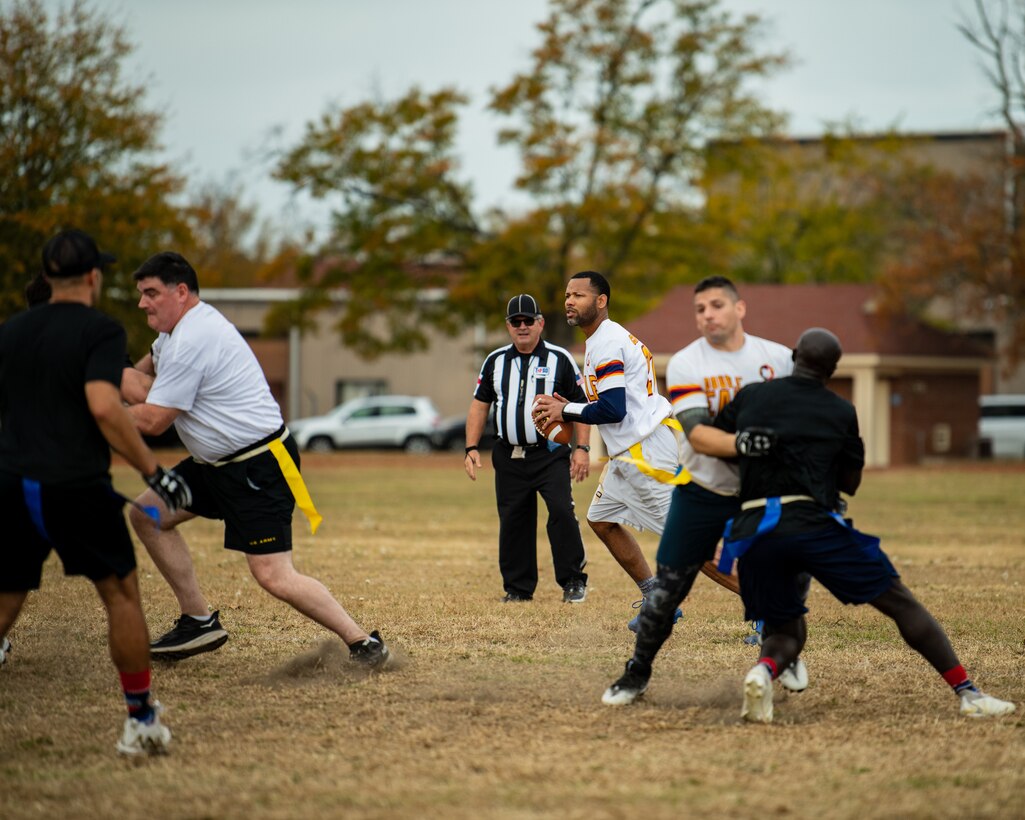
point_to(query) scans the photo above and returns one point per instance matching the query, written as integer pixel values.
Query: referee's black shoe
(188, 637)
(575, 591)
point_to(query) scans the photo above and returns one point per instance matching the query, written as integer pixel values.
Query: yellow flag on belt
(296, 484)
(636, 457)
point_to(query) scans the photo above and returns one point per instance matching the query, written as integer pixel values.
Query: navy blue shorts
(837, 557)
(85, 525)
(251, 496)
(694, 525)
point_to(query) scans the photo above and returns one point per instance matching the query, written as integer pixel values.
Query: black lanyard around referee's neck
(523, 360)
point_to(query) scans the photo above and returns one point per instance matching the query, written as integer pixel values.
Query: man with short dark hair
(632, 417)
(809, 450)
(525, 463)
(60, 414)
(202, 376)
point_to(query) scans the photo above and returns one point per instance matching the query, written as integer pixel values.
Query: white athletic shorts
(626, 496)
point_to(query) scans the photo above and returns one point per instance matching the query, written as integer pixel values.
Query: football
(561, 432)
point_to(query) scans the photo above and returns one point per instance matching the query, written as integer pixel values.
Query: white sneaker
(794, 677)
(976, 704)
(758, 695)
(140, 738)
(5, 648)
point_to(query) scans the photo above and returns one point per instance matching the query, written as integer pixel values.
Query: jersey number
(651, 364)
(591, 387)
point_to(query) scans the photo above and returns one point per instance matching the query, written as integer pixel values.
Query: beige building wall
(447, 372)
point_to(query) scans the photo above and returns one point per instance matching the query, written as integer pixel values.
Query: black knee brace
(659, 610)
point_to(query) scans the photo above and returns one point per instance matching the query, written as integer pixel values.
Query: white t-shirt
(207, 370)
(703, 376)
(614, 358)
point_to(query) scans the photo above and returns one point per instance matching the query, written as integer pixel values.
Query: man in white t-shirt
(619, 380)
(202, 376)
(701, 379)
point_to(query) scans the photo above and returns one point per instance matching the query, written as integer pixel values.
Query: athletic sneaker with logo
(188, 637)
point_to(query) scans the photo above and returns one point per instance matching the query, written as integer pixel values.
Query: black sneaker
(189, 637)
(630, 686)
(574, 592)
(371, 653)
(513, 597)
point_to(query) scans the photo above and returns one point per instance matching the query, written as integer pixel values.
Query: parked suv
(408, 422)
(1002, 424)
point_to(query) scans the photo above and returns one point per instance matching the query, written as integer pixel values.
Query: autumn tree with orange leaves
(76, 149)
(966, 240)
(610, 119)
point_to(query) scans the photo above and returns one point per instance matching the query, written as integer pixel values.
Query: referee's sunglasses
(521, 321)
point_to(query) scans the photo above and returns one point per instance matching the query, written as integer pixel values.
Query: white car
(1002, 424)
(407, 422)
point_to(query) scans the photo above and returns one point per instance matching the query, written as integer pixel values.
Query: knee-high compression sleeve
(659, 611)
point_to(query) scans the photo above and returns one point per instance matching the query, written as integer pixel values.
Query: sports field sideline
(493, 710)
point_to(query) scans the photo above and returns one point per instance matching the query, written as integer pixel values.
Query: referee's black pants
(517, 484)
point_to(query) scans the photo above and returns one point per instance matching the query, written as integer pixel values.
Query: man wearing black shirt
(809, 452)
(60, 413)
(525, 463)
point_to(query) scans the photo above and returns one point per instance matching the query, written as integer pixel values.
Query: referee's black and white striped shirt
(510, 380)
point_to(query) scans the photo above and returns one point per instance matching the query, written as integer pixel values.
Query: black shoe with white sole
(370, 652)
(630, 686)
(189, 637)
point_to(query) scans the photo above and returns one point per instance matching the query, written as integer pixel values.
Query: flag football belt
(732, 549)
(32, 492)
(636, 457)
(290, 472)
(755, 503)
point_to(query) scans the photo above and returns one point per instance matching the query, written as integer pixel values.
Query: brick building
(916, 388)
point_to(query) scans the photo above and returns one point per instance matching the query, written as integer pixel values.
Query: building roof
(783, 312)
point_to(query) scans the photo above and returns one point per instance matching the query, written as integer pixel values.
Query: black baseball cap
(522, 305)
(73, 253)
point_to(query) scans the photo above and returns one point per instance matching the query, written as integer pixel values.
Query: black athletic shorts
(85, 525)
(771, 580)
(250, 496)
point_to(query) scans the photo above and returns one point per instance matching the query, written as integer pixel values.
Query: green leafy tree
(402, 223)
(76, 146)
(610, 121)
(824, 210)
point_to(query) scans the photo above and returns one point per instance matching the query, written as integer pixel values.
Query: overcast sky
(227, 73)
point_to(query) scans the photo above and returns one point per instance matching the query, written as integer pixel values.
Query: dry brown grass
(494, 709)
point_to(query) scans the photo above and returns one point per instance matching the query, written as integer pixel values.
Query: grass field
(493, 710)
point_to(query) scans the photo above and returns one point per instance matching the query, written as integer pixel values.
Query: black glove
(756, 441)
(171, 488)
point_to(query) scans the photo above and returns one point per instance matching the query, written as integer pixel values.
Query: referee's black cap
(73, 253)
(522, 305)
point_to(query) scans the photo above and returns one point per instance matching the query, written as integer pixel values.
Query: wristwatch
(585, 447)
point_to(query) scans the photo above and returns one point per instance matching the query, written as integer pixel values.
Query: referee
(525, 463)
